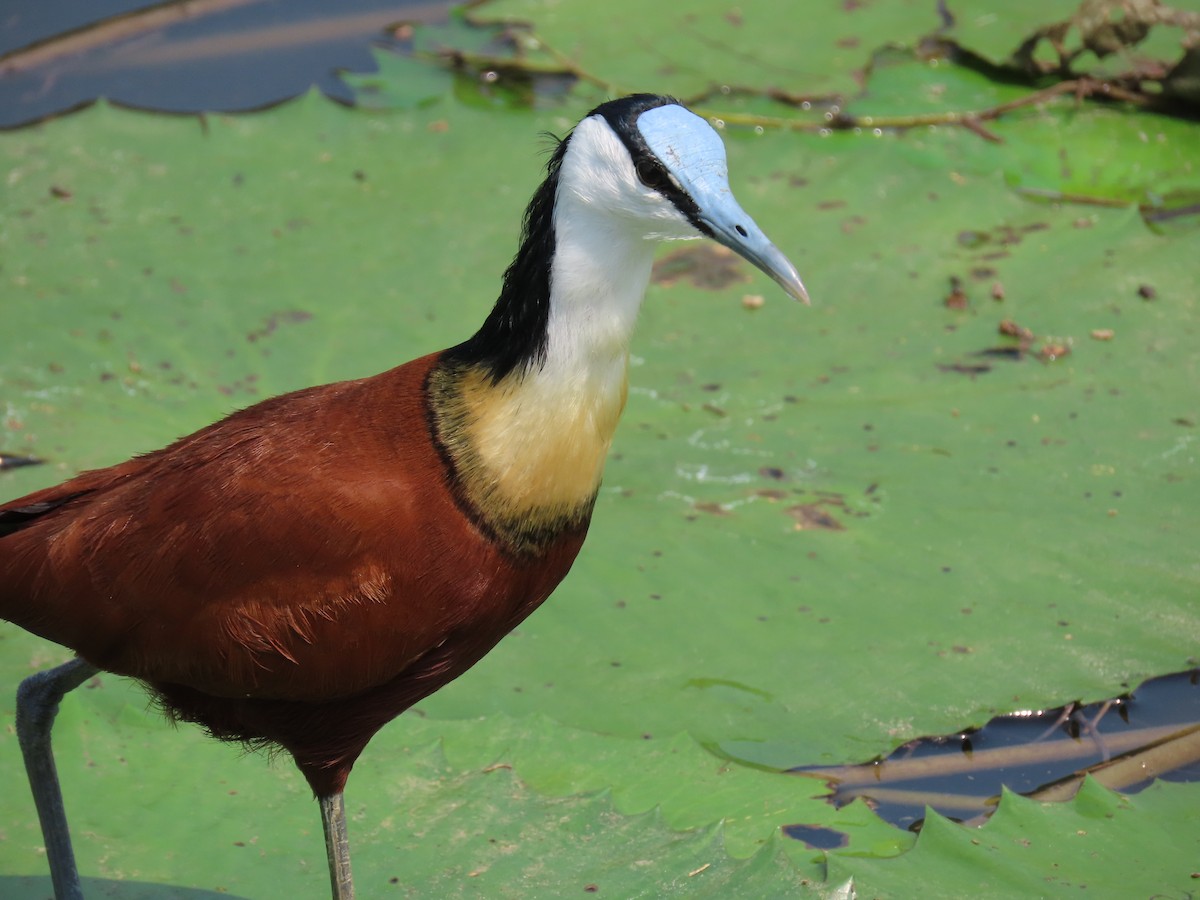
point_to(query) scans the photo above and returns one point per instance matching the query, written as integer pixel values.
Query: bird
(299, 573)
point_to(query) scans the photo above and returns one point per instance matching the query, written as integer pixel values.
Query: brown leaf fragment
(1011, 329)
(1053, 349)
(957, 298)
(710, 267)
(813, 517)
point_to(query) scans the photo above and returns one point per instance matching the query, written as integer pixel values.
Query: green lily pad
(696, 49)
(823, 531)
(1101, 843)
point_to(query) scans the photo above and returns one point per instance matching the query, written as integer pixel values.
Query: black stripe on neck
(514, 335)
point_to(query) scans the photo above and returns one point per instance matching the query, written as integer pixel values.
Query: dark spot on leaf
(961, 368)
(273, 321)
(12, 461)
(957, 298)
(814, 517)
(708, 266)
(775, 474)
(1147, 291)
(1010, 353)
(852, 224)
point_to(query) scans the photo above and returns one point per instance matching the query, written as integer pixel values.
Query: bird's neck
(528, 444)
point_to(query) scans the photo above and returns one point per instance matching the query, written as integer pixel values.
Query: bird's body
(303, 571)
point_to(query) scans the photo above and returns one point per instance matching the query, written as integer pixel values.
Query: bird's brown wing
(307, 546)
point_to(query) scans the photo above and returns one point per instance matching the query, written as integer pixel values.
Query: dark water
(1126, 743)
(205, 55)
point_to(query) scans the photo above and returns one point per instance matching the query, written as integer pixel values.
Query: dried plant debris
(1020, 344)
(1009, 328)
(957, 298)
(12, 461)
(711, 268)
(814, 517)
(1105, 28)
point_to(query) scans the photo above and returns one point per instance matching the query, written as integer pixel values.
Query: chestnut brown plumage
(303, 571)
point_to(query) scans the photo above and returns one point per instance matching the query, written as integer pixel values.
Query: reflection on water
(1124, 743)
(205, 55)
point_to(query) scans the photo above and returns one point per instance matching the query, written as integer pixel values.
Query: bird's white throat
(538, 440)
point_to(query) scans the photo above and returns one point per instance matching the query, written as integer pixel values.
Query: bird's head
(654, 167)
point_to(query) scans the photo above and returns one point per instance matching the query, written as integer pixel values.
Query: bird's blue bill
(695, 156)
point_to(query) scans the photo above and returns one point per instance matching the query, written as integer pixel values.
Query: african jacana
(301, 572)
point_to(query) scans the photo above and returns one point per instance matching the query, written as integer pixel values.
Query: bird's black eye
(652, 174)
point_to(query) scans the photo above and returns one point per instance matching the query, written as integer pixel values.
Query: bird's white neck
(529, 441)
(532, 447)
(597, 283)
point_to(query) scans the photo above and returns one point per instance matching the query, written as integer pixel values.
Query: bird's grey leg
(337, 846)
(38, 697)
